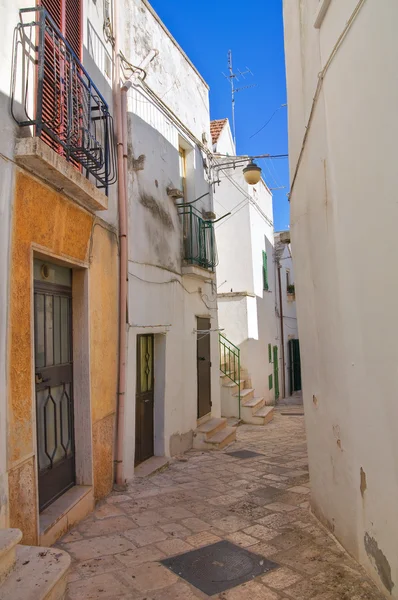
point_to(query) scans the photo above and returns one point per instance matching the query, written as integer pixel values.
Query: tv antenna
(233, 77)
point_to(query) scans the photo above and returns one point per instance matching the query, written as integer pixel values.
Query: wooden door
(203, 366)
(54, 390)
(144, 424)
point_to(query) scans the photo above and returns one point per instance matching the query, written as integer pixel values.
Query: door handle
(39, 378)
(201, 358)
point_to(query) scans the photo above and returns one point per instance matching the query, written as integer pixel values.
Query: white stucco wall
(162, 300)
(345, 291)
(241, 239)
(289, 311)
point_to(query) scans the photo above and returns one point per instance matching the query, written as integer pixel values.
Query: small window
(270, 383)
(265, 272)
(287, 279)
(183, 172)
(269, 353)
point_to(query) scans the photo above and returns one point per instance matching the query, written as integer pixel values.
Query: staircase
(237, 395)
(30, 572)
(213, 434)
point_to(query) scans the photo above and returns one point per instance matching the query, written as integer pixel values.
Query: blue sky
(206, 30)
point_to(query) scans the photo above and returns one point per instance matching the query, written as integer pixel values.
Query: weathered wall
(47, 221)
(345, 300)
(161, 300)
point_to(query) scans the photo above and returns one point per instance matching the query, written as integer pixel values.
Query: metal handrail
(199, 243)
(70, 113)
(230, 368)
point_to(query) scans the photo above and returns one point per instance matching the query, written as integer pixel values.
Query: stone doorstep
(9, 538)
(151, 466)
(38, 574)
(65, 512)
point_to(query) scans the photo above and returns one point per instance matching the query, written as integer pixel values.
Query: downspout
(122, 206)
(282, 332)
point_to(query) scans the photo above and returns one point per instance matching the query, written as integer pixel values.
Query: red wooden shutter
(73, 24)
(55, 10)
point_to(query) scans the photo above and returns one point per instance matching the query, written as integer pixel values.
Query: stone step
(38, 574)
(233, 386)
(261, 417)
(222, 438)
(255, 403)
(211, 427)
(266, 411)
(245, 394)
(9, 538)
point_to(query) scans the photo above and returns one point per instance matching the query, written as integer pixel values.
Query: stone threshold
(151, 466)
(64, 513)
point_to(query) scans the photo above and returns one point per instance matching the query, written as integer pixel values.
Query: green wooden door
(276, 372)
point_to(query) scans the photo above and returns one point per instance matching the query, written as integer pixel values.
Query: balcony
(54, 99)
(199, 244)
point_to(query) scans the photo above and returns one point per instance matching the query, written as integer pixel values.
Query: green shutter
(269, 353)
(276, 372)
(265, 271)
(270, 382)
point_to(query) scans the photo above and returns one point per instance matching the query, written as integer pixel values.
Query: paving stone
(148, 518)
(96, 566)
(204, 538)
(98, 546)
(118, 498)
(150, 576)
(105, 526)
(176, 512)
(291, 538)
(280, 507)
(106, 510)
(130, 558)
(250, 591)
(175, 530)
(230, 524)
(178, 591)
(106, 586)
(242, 539)
(143, 536)
(195, 525)
(175, 546)
(280, 579)
(276, 520)
(260, 532)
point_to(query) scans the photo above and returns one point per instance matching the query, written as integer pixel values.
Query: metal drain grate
(244, 454)
(218, 567)
(292, 414)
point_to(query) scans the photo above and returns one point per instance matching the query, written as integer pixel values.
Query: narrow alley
(260, 504)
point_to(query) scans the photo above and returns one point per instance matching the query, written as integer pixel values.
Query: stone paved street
(259, 503)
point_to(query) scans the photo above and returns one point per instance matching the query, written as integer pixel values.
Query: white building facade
(246, 274)
(341, 59)
(172, 360)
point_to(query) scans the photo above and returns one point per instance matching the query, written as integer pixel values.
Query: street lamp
(251, 172)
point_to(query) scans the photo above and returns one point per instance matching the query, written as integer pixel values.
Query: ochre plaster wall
(45, 218)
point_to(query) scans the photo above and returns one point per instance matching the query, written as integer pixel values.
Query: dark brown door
(54, 390)
(144, 426)
(204, 366)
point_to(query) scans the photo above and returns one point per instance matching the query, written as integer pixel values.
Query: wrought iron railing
(52, 92)
(230, 363)
(199, 243)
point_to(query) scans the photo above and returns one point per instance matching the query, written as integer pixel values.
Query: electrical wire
(321, 77)
(269, 120)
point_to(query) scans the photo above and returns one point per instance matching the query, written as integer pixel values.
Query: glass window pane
(44, 461)
(143, 377)
(66, 425)
(65, 331)
(39, 331)
(57, 330)
(49, 331)
(47, 271)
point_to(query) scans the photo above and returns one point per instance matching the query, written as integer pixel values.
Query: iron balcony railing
(199, 243)
(52, 91)
(230, 363)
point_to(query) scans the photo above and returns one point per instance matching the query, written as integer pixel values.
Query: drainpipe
(122, 205)
(282, 332)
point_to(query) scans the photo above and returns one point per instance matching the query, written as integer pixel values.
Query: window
(265, 272)
(183, 172)
(269, 353)
(67, 16)
(270, 384)
(287, 279)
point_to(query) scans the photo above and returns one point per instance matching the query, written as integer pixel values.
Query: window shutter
(54, 9)
(73, 25)
(265, 271)
(269, 353)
